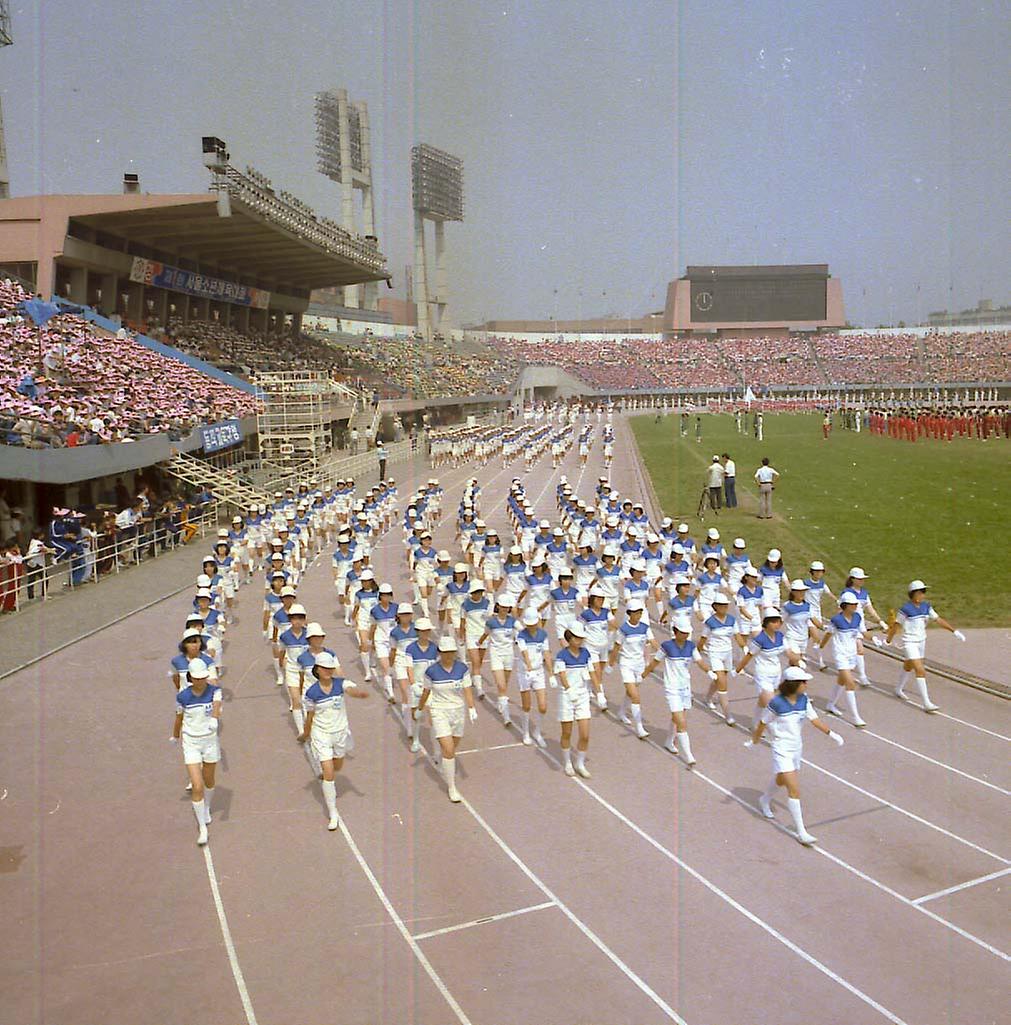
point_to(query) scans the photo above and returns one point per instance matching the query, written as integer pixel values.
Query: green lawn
(900, 510)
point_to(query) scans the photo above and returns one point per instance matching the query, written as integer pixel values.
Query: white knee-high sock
(580, 758)
(793, 804)
(921, 686)
(535, 722)
(448, 769)
(770, 790)
(636, 710)
(208, 797)
(525, 723)
(836, 693)
(851, 703)
(685, 746)
(567, 757)
(299, 718)
(904, 677)
(861, 668)
(405, 716)
(364, 656)
(200, 812)
(330, 796)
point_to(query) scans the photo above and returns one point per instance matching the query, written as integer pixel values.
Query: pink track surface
(650, 893)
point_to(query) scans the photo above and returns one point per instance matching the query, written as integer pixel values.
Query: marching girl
(424, 563)
(448, 691)
(856, 583)
(817, 588)
(718, 637)
(556, 552)
(402, 635)
(633, 643)
(799, 622)
(514, 574)
(499, 637)
(771, 573)
(537, 590)
(677, 654)
(343, 559)
(597, 621)
(609, 577)
(291, 643)
(749, 604)
(912, 620)
(418, 656)
(585, 566)
(326, 726)
(198, 713)
(192, 646)
(784, 718)
(534, 671)
(443, 575)
(845, 630)
(766, 650)
(490, 566)
(457, 590)
(637, 587)
(574, 669)
(315, 637)
(365, 599)
(474, 612)
(710, 583)
(213, 625)
(383, 615)
(681, 606)
(564, 602)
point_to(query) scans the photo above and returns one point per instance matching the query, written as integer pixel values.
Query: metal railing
(100, 557)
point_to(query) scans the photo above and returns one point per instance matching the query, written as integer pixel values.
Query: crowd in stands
(759, 362)
(69, 383)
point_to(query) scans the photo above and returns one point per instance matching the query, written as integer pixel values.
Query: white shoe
(730, 720)
(569, 770)
(278, 680)
(625, 719)
(454, 795)
(333, 824)
(930, 707)
(601, 700)
(766, 807)
(202, 836)
(864, 683)
(669, 745)
(832, 710)
(901, 694)
(189, 787)
(527, 741)
(415, 746)
(641, 732)
(711, 705)
(859, 723)
(806, 838)
(207, 816)
(583, 771)
(540, 741)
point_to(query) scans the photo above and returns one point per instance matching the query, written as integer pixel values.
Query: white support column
(440, 298)
(421, 276)
(351, 297)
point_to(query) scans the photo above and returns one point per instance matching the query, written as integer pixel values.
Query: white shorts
(573, 703)
(845, 661)
(914, 649)
(381, 648)
(292, 676)
(720, 663)
(201, 749)
(471, 641)
(447, 722)
(798, 647)
(767, 683)
(363, 621)
(631, 672)
(400, 669)
(599, 651)
(531, 681)
(786, 761)
(679, 699)
(326, 746)
(500, 660)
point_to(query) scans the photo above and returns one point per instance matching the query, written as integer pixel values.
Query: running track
(648, 894)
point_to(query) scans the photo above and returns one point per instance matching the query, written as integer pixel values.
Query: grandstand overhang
(219, 238)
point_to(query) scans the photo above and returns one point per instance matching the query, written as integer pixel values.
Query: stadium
(362, 662)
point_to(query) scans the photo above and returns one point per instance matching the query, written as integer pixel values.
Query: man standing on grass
(714, 482)
(765, 477)
(729, 482)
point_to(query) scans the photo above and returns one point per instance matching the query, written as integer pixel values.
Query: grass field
(900, 510)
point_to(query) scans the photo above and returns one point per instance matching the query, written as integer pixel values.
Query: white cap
(223, 531)
(848, 598)
(558, 532)
(405, 608)
(711, 555)
(315, 630)
(635, 606)
(774, 555)
(326, 661)
(564, 571)
(447, 643)
(386, 588)
(422, 624)
(916, 585)
(713, 534)
(505, 601)
(716, 459)
(677, 549)
(652, 538)
(858, 573)
(209, 558)
(475, 586)
(632, 532)
(530, 617)
(202, 592)
(749, 571)
(367, 574)
(539, 560)
(461, 567)
(610, 550)
(682, 528)
(203, 580)
(479, 523)
(720, 599)
(189, 635)
(817, 565)
(771, 612)
(666, 522)
(235, 519)
(288, 591)
(515, 550)
(544, 524)
(796, 673)
(296, 610)
(197, 669)
(611, 521)
(798, 585)
(638, 565)
(576, 629)
(443, 556)
(739, 542)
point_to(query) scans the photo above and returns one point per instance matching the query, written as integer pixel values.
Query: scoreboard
(758, 294)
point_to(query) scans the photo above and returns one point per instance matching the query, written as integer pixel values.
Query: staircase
(223, 484)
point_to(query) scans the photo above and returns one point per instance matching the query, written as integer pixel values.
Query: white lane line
(941, 714)
(226, 934)
(961, 886)
(926, 758)
(494, 747)
(401, 928)
(485, 920)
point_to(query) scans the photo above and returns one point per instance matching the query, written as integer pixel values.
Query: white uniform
(719, 635)
(446, 701)
(200, 726)
(784, 721)
(845, 634)
(330, 735)
(677, 680)
(914, 619)
(632, 642)
(533, 645)
(293, 644)
(501, 639)
(574, 702)
(767, 659)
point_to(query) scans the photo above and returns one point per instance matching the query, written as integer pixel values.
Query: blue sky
(606, 145)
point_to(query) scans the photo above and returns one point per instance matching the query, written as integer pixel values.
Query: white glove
(552, 681)
(472, 713)
(836, 737)
(960, 635)
(749, 742)
(712, 676)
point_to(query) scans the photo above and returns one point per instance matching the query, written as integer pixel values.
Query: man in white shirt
(729, 482)
(714, 482)
(766, 478)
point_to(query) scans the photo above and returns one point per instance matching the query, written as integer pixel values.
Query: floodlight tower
(344, 155)
(5, 40)
(437, 192)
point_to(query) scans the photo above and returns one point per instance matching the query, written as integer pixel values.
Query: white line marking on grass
(485, 920)
(401, 928)
(962, 886)
(226, 934)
